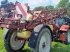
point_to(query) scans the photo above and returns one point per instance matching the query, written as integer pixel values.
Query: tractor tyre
(68, 37)
(44, 41)
(11, 44)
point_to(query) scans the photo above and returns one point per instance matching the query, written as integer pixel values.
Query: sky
(35, 3)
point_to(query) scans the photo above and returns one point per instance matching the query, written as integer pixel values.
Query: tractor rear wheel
(12, 44)
(44, 41)
(68, 36)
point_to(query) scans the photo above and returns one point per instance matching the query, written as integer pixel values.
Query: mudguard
(64, 27)
(34, 36)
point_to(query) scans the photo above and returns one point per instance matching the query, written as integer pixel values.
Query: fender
(35, 34)
(64, 27)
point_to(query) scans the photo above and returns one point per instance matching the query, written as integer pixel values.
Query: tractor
(61, 29)
(39, 32)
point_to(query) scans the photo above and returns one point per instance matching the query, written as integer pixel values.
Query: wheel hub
(44, 45)
(15, 43)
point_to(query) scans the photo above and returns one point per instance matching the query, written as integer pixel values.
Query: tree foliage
(49, 7)
(68, 8)
(68, 5)
(39, 8)
(62, 3)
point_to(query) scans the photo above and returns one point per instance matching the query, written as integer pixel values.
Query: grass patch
(2, 48)
(60, 47)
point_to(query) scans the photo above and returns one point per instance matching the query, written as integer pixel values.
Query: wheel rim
(45, 43)
(68, 36)
(16, 44)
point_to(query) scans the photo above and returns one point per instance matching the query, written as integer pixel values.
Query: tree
(68, 8)
(62, 3)
(49, 7)
(39, 8)
(68, 5)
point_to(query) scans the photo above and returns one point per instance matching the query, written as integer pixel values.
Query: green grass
(56, 46)
(2, 49)
(60, 47)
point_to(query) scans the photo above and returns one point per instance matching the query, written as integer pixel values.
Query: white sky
(34, 3)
